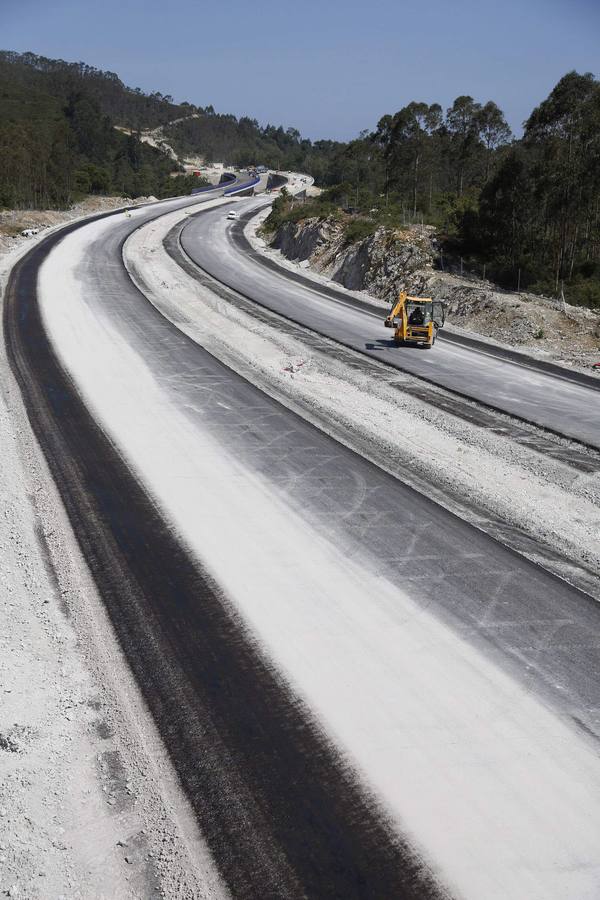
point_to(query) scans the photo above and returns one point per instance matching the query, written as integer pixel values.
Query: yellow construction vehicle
(416, 320)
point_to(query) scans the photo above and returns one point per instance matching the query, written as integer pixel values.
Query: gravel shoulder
(88, 803)
(15, 221)
(545, 508)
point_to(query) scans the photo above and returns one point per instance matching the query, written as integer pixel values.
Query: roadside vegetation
(58, 142)
(527, 210)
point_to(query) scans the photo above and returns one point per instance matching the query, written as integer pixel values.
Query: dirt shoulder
(88, 803)
(14, 221)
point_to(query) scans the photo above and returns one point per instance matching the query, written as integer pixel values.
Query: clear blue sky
(329, 68)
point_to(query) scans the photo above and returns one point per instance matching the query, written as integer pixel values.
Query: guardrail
(244, 186)
(226, 178)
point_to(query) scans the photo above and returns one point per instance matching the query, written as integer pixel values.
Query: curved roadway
(555, 403)
(362, 694)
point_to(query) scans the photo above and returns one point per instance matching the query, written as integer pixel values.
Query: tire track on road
(281, 813)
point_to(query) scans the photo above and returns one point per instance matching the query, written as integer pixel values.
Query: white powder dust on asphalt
(502, 798)
(442, 455)
(89, 806)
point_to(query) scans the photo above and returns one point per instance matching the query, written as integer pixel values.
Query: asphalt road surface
(555, 403)
(363, 696)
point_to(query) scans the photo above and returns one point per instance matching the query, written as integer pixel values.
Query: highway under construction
(368, 682)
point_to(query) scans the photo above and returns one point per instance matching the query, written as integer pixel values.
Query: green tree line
(529, 206)
(540, 210)
(58, 141)
(528, 209)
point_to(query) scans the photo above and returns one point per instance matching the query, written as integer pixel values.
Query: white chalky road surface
(491, 785)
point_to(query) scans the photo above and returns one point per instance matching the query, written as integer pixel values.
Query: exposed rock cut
(387, 262)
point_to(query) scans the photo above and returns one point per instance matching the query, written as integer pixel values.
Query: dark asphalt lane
(282, 816)
(572, 454)
(545, 632)
(555, 403)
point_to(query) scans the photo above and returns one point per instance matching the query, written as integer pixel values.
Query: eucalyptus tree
(405, 140)
(562, 136)
(462, 120)
(493, 131)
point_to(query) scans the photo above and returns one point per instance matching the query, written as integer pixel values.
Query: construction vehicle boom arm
(389, 322)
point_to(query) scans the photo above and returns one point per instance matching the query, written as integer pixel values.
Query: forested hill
(528, 210)
(58, 140)
(124, 106)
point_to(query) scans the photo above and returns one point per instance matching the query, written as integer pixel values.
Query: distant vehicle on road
(232, 215)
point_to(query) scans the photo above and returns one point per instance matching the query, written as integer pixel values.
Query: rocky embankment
(387, 262)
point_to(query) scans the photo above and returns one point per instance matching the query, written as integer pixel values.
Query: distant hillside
(123, 105)
(241, 142)
(526, 211)
(58, 138)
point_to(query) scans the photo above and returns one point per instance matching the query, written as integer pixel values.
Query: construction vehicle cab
(416, 320)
